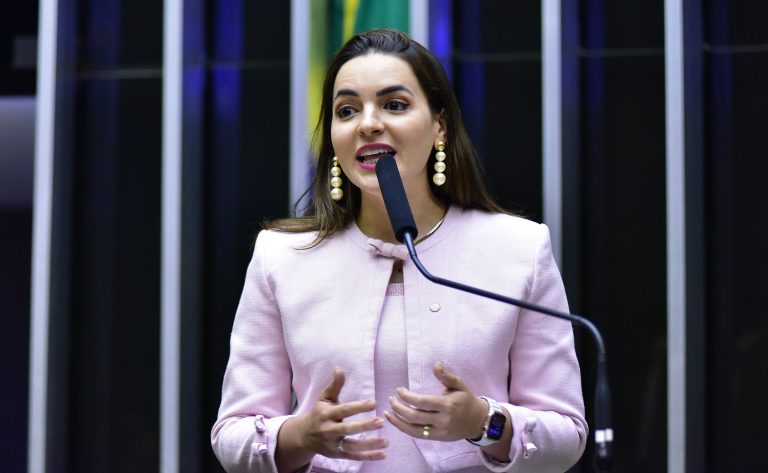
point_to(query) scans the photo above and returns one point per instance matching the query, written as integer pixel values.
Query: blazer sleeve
(545, 398)
(256, 392)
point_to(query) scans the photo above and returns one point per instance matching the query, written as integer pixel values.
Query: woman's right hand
(323, 431)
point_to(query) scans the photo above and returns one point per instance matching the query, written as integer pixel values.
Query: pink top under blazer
(303, 312)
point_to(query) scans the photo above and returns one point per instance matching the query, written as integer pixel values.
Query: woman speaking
(343, 357)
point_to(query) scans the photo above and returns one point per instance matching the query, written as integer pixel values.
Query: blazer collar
(453, 217)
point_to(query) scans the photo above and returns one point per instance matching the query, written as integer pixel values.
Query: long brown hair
(465, 185)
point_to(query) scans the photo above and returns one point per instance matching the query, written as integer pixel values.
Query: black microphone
(398, 208)
(404, 226)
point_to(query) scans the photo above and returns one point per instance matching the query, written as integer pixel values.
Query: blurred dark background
(104, 373)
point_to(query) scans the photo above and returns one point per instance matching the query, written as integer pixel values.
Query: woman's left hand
(453, 415)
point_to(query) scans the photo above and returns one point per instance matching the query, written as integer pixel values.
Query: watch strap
(494, 408)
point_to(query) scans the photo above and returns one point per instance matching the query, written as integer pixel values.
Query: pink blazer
(303, 312)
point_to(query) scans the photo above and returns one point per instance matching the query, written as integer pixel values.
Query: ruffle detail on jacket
(387, 250)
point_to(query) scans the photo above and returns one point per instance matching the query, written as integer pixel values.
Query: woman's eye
(345, 111)
(395, 106)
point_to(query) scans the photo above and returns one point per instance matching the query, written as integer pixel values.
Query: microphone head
(395, 200)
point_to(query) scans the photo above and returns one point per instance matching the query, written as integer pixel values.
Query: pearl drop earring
(336, 193)
(439, 178)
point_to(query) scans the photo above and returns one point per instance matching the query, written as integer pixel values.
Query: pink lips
(368, 155)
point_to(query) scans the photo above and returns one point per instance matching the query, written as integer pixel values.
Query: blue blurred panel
(628, 24)
(119, 34)
(227, 30)
(226, 99)
(737, 22)
(594, 110)
(102, 24)
(498, 80)
(250, 31)
(441, 33)
(195, 33)
(17, 142)
(471, 72)
(593, 27)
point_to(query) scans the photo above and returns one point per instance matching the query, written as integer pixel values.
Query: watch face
(496, 426)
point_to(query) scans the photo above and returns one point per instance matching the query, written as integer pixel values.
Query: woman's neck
(373, 219)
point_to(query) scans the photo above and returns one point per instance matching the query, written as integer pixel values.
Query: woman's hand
(455, 414)
(323, 431)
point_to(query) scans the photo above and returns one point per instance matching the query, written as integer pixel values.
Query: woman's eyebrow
(346, 92)
(384, 91)
(393, 88)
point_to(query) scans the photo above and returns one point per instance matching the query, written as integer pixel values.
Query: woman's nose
(370, 122)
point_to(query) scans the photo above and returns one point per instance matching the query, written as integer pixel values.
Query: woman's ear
(441, 127)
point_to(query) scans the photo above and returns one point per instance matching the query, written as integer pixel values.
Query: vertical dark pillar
(571, 152)
(695, 230)
(621, 182)
(735, 345)
(58, 439)
(246, 165)
(571, 266)
(104, 379)
(226, 252)
(104, 322)
(193, 428)
(497, 76)
(18, 32)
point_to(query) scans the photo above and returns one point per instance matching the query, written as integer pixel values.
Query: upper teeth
(370, 152)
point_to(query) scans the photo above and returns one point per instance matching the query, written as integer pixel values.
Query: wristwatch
(493, 428)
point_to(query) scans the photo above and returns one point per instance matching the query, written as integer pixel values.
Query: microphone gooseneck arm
(603, 430)
(405, 230)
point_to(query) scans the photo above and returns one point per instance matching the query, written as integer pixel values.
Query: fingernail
(400, 390)
(378, 422)
(391, 399)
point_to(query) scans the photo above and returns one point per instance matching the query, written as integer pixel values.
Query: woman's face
(379, 108)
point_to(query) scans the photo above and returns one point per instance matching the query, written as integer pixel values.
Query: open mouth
(371, 154)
